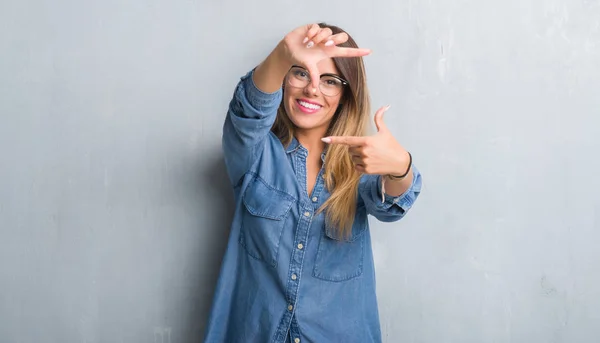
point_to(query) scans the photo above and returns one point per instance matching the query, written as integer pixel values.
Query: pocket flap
(265, 201)
(358, 228)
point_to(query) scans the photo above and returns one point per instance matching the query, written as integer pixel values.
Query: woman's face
(308, 110)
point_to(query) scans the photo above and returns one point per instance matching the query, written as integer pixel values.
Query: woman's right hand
(309, 44)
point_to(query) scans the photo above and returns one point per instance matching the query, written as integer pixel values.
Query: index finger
(349, 52)
(346, 140)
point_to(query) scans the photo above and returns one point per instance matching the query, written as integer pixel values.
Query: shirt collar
(295, 145)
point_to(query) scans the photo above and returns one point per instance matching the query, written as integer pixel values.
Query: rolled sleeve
(250, 116)
(385, 207)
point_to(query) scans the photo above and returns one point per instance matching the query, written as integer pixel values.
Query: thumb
(379, 119)
(315, 77)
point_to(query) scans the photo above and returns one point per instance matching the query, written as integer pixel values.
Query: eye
(299, 73)
(331, 82)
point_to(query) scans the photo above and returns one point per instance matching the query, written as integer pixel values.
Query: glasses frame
(344, 82)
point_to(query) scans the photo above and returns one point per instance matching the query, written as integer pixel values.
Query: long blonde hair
(351, 119)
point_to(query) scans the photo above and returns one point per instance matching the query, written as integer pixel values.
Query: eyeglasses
(330, 84)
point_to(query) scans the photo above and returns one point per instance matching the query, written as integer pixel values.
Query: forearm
(269, 75)
(396, 188)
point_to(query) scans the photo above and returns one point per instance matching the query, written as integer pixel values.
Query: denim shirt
(287, 276)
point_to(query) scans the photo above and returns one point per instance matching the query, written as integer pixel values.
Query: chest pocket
(341, 258)
(264, 215)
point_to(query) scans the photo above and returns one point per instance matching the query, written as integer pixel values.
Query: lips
(308, 107)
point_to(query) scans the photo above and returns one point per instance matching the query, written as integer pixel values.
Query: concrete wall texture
(115, 209)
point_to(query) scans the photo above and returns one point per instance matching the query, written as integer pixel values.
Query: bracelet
(400, 177)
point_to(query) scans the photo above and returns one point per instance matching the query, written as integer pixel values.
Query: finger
(337, 39)
(311, 32)
(356, 151)
(346, 140)
(323, 34)
(379, 118)
(357, 160)
(349, 52)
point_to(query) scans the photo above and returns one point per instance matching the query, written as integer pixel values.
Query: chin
(304, 124)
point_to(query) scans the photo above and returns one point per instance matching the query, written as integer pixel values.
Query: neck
(311, 139)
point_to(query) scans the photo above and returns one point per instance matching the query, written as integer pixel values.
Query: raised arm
(253, 109)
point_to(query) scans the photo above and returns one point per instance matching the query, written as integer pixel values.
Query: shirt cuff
(404, 200)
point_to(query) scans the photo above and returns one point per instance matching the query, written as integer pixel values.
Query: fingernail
(388, 107)
(310, 44)
(305, 40)
(329, 43)
(326, 139)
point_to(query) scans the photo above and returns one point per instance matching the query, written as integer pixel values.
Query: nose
(309, 90)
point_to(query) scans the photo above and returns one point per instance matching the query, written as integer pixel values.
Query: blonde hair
(351, 119)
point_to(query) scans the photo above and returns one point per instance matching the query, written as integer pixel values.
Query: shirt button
(296, 340)
(307, 214)
(314, 199)
(290, 307)
(300, 246)
(294, 277)
(396, 200)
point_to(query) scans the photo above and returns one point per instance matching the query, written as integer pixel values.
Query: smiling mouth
(308, 107)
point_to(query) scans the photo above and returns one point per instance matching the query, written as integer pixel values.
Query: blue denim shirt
(286, 274)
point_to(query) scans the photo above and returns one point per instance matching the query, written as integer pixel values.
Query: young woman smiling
(305, 174)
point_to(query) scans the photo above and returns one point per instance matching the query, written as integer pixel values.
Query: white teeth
(309, 105)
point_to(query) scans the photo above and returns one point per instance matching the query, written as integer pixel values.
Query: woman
(299, 264)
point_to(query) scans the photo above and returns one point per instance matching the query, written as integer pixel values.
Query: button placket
(305, 214)
(308, 206)
(297, 261)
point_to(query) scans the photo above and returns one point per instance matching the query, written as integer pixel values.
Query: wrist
(407, 167)
(279, 57)
(270, 74)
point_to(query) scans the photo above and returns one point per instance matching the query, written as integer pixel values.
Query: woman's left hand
(378, 154)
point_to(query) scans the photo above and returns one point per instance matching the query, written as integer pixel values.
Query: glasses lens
(331, 86)
(299, 77)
